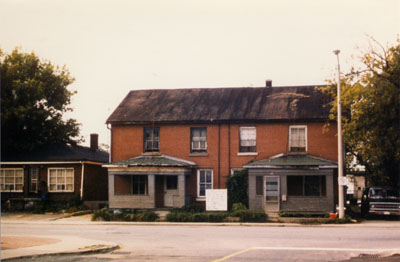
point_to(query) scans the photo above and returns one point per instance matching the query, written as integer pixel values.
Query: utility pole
(340, 142)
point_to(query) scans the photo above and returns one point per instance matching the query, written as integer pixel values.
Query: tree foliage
(237, 185)
(34, 97)
(371, 113)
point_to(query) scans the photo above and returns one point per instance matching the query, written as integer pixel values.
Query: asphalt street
(223, 243)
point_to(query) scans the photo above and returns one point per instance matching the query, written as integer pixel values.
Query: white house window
(204, 181)
(61, 180)
(151, 138)
(139, 185)
(198, 139)
(12, 179)
(247, 136)
(298, 139)
(306, 185)
(34, 177)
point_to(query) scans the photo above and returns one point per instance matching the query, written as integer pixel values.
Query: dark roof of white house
(292, 160)
(153, 160)
(210, 105)
(54, 153)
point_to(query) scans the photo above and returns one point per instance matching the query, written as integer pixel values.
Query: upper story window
(151, 136)
(61, 180)
(298, 139)
(247, 138)
(12, 179)
(198, 139)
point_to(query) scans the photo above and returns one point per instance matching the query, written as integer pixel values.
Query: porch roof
(292, 160)
(152, 160)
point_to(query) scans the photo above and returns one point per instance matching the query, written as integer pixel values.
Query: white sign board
(216, 200)
(343, 181)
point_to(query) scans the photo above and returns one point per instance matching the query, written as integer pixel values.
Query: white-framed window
(204, 181)
(12, 179)
(61, 179)
(151, 139)
(198, 139)
(248, 138)
(33, 179)
(298, 138)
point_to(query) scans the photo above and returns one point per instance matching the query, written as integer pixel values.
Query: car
(380, 201)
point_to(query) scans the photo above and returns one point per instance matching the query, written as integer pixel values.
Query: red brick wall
(222, 144)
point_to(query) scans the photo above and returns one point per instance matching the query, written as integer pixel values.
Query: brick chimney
(94, 142)
(268, 83)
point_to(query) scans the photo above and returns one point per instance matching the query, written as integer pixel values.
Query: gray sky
(111, 47)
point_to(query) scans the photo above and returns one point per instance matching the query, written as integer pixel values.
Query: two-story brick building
(169, 146)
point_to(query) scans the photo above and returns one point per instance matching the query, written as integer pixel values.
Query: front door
(272, 194)
(171, 190)
(160, 191)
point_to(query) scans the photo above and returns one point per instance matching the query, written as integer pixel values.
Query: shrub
(238, 206)
(189, 209)
(102, 214)
(217, 217)
(250, 215)
(127, 215)
(199, 217)
(179, 217)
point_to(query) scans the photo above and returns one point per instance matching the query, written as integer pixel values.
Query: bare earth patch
(11, 242)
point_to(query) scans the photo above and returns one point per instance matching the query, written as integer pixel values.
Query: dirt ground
(11, 242)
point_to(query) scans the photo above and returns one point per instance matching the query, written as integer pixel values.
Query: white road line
(367, 250)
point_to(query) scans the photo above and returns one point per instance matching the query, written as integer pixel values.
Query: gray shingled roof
(284, 160)
(53, 153)
(153, 160)
(222, 104)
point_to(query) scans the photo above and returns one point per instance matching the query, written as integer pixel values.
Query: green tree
(34, 97)
(237, 185)
(371, 113)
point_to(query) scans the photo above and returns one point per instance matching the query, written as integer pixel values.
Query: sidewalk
(27, 246)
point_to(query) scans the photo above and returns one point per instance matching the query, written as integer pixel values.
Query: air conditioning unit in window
(199, 145)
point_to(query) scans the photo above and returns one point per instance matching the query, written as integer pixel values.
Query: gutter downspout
(219, 156)
(109, 156)
(82, 177)
(229, 148)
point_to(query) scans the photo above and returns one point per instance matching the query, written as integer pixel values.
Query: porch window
(172, 182)
(151, 136)
(34, 178)
(130, 184)
(139, 185)
(298, 139)
(61, 180)
(247, 136)
(306, 185)
(198, 139)
(204, 181)
(12, 179)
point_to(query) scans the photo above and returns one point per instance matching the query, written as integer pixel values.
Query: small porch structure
(149, 181)
(297, 183)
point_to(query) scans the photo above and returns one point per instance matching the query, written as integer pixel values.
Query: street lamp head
(336, 52)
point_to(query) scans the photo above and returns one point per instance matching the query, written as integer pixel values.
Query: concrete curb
(86, 250)
(267, 224)
(78, 213)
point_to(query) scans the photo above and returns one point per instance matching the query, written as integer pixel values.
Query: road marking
(329, 249)
(364, 250)
(232, 255)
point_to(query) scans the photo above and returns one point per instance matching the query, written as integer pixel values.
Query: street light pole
(340, 142)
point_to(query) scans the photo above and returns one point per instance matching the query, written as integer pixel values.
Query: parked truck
(380, 201)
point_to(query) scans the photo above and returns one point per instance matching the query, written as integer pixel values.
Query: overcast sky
(111, 47)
